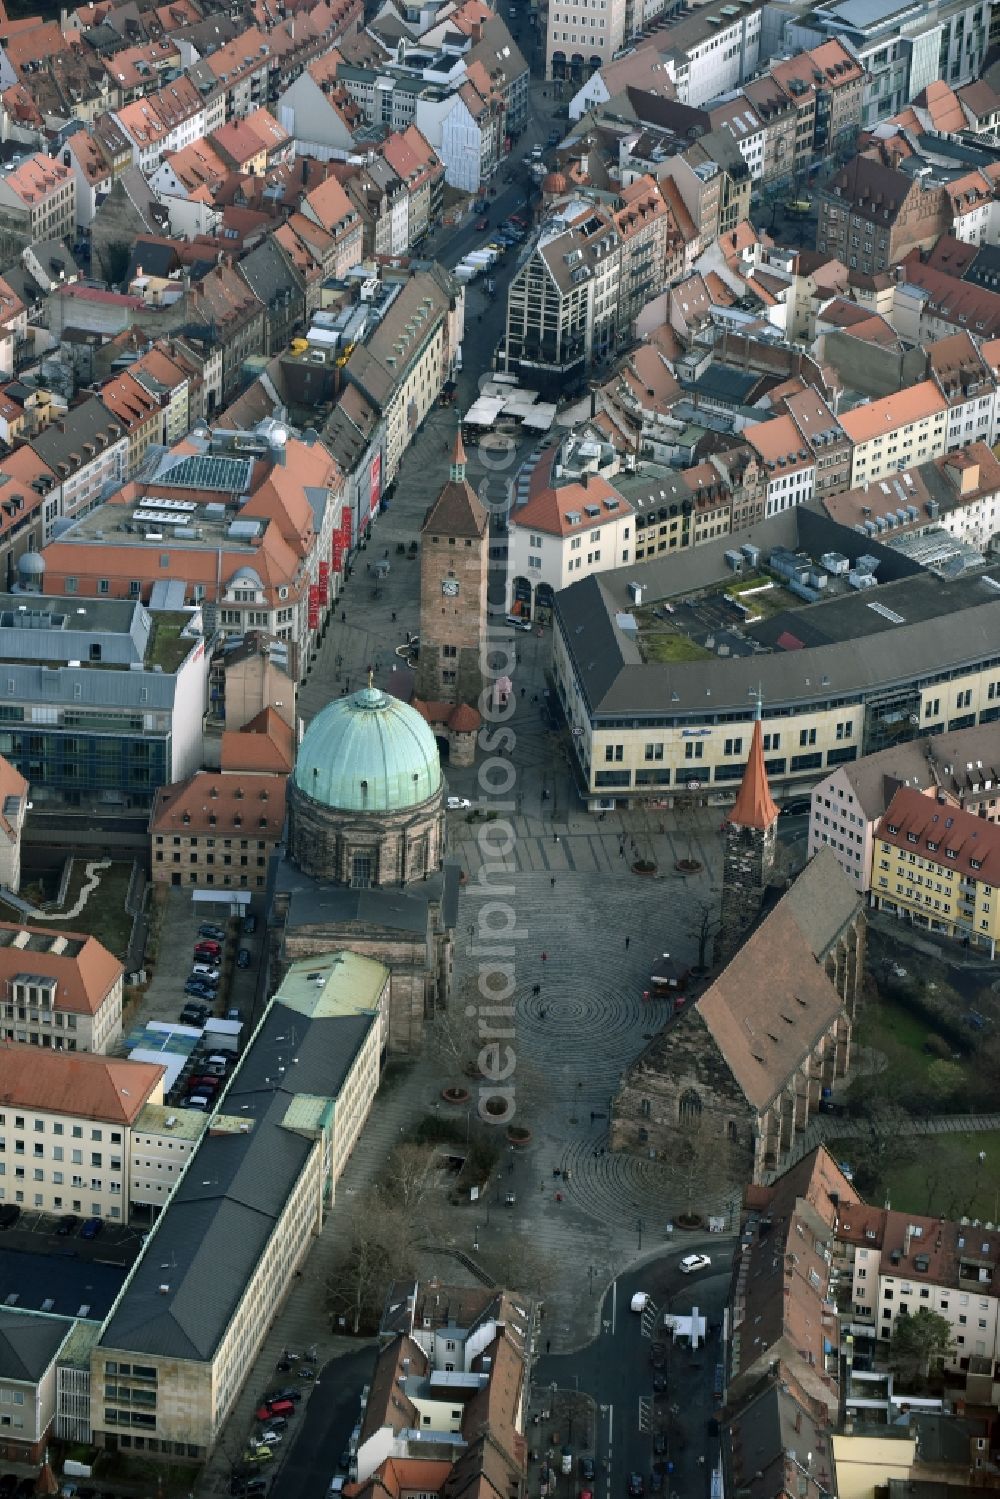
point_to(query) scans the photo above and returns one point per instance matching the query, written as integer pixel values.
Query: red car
(207, 950)
(482, 223)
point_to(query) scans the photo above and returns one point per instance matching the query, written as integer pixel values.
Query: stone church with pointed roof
(743, 1069)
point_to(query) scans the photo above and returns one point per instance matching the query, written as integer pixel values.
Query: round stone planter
(689, 1221)
(516, 1135)
(455, 1095)
(688, 866)
(644, 868)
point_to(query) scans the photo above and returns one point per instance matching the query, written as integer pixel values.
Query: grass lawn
(889, 1028)
(774, 601)
(942, 1174)
(668, 646)
(104, 916)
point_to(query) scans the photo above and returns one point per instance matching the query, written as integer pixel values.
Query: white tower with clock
(454, 566)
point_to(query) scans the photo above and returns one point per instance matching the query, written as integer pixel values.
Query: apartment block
(939, 867)
(896, 1264)
(872, 215)
(65, 1126)
(896, 432)
(848, 805)
(217, 830)
(62, 991)
(37, 201)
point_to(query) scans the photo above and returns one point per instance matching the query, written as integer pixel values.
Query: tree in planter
(406, 1179)
(453, 1034)
(919, 1343)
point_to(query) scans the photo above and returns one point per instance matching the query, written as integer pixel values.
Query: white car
(692, 1262)
(458, 804)
(640, 1301)
(269, 1438)
(205, 971)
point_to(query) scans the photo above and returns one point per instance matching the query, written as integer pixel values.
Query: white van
(336, 1486)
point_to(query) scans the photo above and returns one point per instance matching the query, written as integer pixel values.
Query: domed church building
(365, 865)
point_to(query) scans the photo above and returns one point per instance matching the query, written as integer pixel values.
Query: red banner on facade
(314, 606)
(376, 483)
(324, 580)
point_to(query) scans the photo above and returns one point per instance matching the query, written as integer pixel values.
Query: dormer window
(951, 853)
(911, 837)
(976, 863)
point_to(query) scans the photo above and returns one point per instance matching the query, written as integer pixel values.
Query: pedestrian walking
(542, 1014)
(545, 957)
(394, 616)
(627, 941)
(536, 989)
(555, 837)
(523, 691)
(343, 616)
(621, 851)
(548, 1345)
(552, 882)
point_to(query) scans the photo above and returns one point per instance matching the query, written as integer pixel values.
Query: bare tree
(705, 925)
(517, 1264)
(453, 1034)
(407, 1177)
(380, 1249)
(698, 1157)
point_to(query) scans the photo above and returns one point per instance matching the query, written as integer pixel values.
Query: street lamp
(475, 1241)
(638, 1224)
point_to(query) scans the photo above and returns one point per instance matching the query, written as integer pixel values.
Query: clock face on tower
(449, 587)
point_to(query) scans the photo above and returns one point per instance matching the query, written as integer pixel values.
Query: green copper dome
(368, 753)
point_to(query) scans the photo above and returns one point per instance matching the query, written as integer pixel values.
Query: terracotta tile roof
(12, 785)
(245, 54)
(913, 820)
(892, 412)
(330, 204)
(242, 805)
(561, 510)
(779, 441)
(82, 1084)
(85, 971)
(941, 103)
(127, 400)
(33, 42)
(266, 743)
(36, 178)
(955, 301)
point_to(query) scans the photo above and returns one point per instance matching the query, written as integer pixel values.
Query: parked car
(692, 1262)
(199, 990)
(655, 1482)
(482, 224)
(270, 1437)
(214, 932)
(67, 1223)
(658, 1355)
(258, 1455)
(636, 1487)
(290, 1392)
(566, 1460)
(458, 804)
(798, 808)
(235, 1014)
(660, 1443)
(659, 1383)
(243, 960)
(307, 1373)
(587, 1469)
(249, 923)
(208, 949)
(199, 1101)
(206, 971)
(92, 1228)
(640, 1301)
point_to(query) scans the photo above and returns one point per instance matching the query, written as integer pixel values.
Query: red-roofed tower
(748, 861)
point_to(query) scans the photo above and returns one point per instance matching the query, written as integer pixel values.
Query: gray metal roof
(185, 1288)
(86, 687)
(56, 629)
(28, 1343)
(851, 649)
